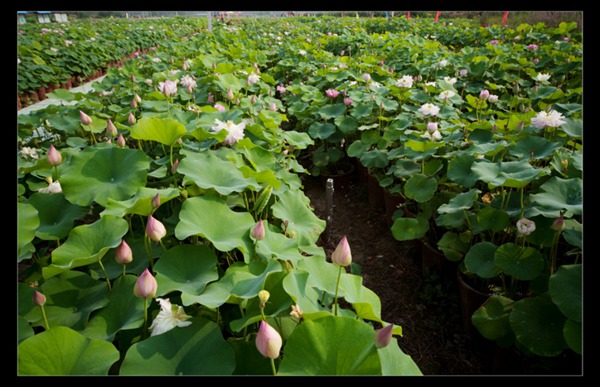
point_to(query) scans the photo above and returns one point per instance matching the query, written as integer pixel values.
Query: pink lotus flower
(268, 341)
(155, 229)
(54, 157)
(220, 107)
(145, 286)
(332, 93)
(123, 255)
(168, 87)
(342, 255)
(347, 101)
(484, 94)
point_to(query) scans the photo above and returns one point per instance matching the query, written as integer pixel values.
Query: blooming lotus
(53, 187)
(145, 286)
(168, 87)
(406, 81)
(525, 226)
(220, 107)
(429, 109)
(463, 73)
(447, 94)
(169, 317)
(235, 132)
(432, 127)
(450, 80)
(252, 79)
(432, 136)
(188, 82)
(492, 98)
(347, 101)
(268, 341)
(484, 94)
(542, 77)
(545, 119)
(29, 152)
(331, 93)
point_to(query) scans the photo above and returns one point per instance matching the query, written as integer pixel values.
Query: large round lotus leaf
(276, 245)
(87, 244)
(515, 174)
(533, 147)
(163, 130)
(460, 202)
(538, 325)
(566, 290)
(406, 168)
(347, 124)
(452, 246)
(209, 171)
(459, 170)
(394, 362)
(97, 174)
(140, 203)
(523, 263)
(298, 286)
(293, 206)
(28, 222)
(573, 332)
(332, 111)
(365, 302)
(331, 346)
(248, 361)
(56, 215)
(491, 318)
(427, 147)
(68, 122)
(197, 349)
(374, 159)
(480, 260)
(561, 194)
(406, 229)
(420, 188)
(494, 219)
(61, 351)
(210, 217)
(186, 268)
(122, 311)
(24, 330)
(300, 140)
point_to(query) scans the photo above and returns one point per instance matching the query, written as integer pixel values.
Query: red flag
(504, 18)
(437, 15)
(408, 15)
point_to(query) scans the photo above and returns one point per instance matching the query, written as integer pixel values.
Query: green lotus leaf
(61, 351)
(565, 287)
(573, 128)
(357, 148)
(123, 311)
(298, 286)
(24, 330)
(492, 318)
(452, 246)
(422, 146)
(490, 218)
(533, 147)
(460, 202)
(56, 215)
(365, 302)
(240, 280)
(140, 203)
(276, 245)
(323, 274)
(87, 244)
(361, 110)
(260, 158)
(68, 122)
(210, 217)
(321, 130)
(421, 188)
(271, 119)
(515, 174)
(394, 362)
(522, 262)
(28, 222)
(332, 111)
(482, 136)
(573, 333)
(197, 349)
(163, 130)
(406, 168)
(538, 325)
(331, 346)
(229, 80)
(560, 195)
(451, 220)
(293, 206)
(186, 268)
(347, 124)
(406, 229)
(97, 174)
(374, 159)
(209, 171)
(248, 361)
(480, 260)
(299, 140)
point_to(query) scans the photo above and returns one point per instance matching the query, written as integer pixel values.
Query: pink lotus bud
(121, 140)
(493, 98)
(189, 89)
(54, 157)
(132, 77)
(367, 77)
(155, 229)
(38, 298)
(535, 60)
(156, 201)
(342, 255)
(347, 101)
(342, 52)
(230, 95)
(131, 119)
(463, 73)
(484, 94)
(258, 232)
(237, 101)
(174, 166)
(384, 336)
(432, 127)
(145, 286)
(268, 341)
(391, 69)
(133, 103)
(558, 224)
(273, 106)
(85, 119)
(253, 99)
(219, 107)
(111, 129)
(137, 98)
(123, 255)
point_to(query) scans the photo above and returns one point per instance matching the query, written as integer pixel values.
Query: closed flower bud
(463, 73)
(230, 95)
(258, 232)
(38, 298)
(342, 255)
(384, 336)
(54, 157)
(133, 103)
(432, 127)
(131, 119)
(347, 101)
(121, 140)
(558, 224)
(145, 286)
(484, 94)
(264, 295)
(367, 77)
(137, 98)
(155, 229)
(174, 166)
(111, 129)
(123, 255)
(156, 201)
(85, 119)
(268, 341)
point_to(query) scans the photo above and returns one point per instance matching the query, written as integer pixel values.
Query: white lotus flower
(541, 77)
(169, 317)
(545, 119)
(236, 132)
(429, 109)
(525, 226)
(53, 187)
(405, 81)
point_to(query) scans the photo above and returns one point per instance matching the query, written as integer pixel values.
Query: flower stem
(273, 367)
(105, 275)
(145, 331)
(149, 252)
(46, 325)
(337, 287)
(124, 271)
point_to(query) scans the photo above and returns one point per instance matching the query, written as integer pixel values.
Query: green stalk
(337, 287)
(105, 275)
(46, 325)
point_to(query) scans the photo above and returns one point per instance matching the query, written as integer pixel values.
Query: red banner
(437, 15)
(504, 18)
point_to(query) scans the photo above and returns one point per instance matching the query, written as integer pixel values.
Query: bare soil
(425, 304)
